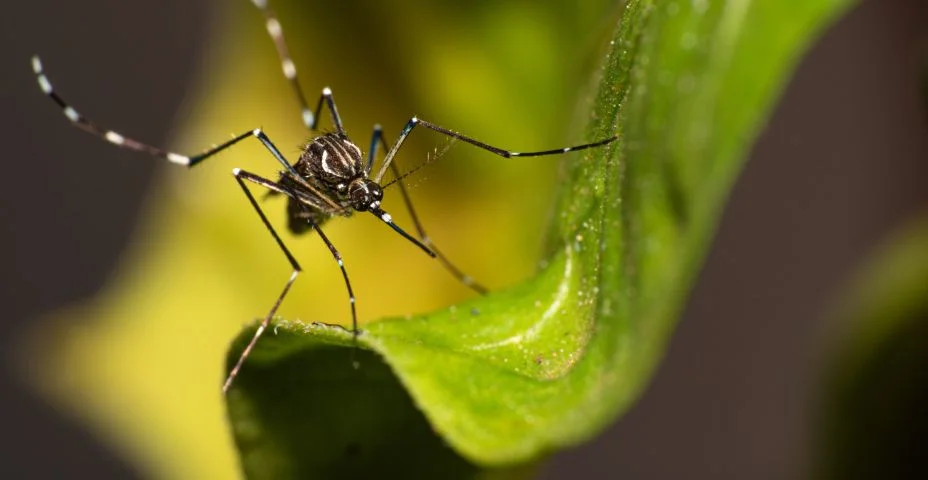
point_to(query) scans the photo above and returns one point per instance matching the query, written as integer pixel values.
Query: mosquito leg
(351, 299)
(88, 125)
(120, 140)
(276, 32)
(465, 279)
(326, 98)
(355, 331)
(415, 121)
(341, 265)
(240, 177)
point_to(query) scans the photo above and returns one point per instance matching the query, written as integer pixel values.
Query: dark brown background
(843, 160)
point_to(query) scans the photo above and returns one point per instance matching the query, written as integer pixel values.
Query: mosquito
(331, 178)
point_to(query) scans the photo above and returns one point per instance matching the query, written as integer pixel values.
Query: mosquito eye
(359, 197)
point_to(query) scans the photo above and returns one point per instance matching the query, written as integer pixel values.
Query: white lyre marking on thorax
(325, 163)
(354, 147)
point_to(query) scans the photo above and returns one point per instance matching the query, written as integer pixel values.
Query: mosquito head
(364, 194)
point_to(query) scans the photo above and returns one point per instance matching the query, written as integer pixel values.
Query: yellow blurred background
(142, 363)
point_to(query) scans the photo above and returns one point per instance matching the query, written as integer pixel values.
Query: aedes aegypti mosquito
(330, 178)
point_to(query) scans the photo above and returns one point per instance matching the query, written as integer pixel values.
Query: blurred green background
(837, 167)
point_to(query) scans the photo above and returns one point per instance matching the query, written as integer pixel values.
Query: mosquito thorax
(364, 194)
(332, 159)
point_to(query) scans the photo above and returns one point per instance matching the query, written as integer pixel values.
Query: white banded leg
(276, 33)
(465, 279)
(288, 67)
(131, 144)
(106, 134)
(241, 176)
(386, 218)
(415, 121)
(326, 98)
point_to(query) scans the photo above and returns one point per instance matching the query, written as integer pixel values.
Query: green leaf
(510, 377)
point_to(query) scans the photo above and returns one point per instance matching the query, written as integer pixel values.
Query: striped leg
(128, 143)
(276, 32)
(286, 63)
(465, 279)
(189, 161)
(108, 135)
(415, 121)
(241, 176)
(326, 97)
